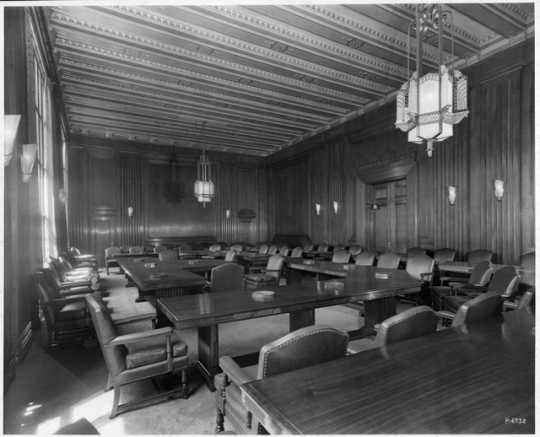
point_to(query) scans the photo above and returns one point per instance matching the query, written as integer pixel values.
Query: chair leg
(116, 400)
(183, 378)
(109, 383)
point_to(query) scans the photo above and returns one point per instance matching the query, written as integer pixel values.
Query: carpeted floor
(57, 386)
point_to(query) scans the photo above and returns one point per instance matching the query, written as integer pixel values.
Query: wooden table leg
(375, 311)
(301, 319)
(208, 363)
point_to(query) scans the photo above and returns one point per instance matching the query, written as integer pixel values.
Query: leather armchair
(420, 267)
(355, 250)
(227, 277)
(504, 282)
(364, 259)
(269, 276)
(474, 310)
(297, 252)
(477, 256)
(308, 247)
(82, 268)
(168, 255)
(237, 248)
(444, 255)
(388, 260)
(341, 256)
(110, 260)
(263, 249)
(76, 255)
(284, 251)
(70, 286)
(411, 323)
(301, 348)
(63, 319)
(272, 250)
(137, 356)
(230, 256)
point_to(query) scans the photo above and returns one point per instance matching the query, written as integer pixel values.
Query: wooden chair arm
(133, 318)
(446, 315)
(138, 336)
(233, 371)
(60, 301)
(74, 284)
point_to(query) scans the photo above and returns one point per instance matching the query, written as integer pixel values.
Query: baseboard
(23, 343)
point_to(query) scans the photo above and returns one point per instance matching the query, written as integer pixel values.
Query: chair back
(388, 260)
(273, 250)
(481, 274)
(415, 251)
(355, 250)
(275, 264)
(110, 252)
(237, 248)
(479, 308)
(414, 322)
(527, 262)
(63, 259)
(477, 256)
(322, 248)
(301, 348)
(227, 277)
(284, 251)
(297, 252)
(341, 256)
(230, 256)
(527, 300)
(215, 248)
(365, 259)
(74, 251)
(136, 250)
(442, 256)
(263, 249)
(308, 247)
(504, 281)
(57, 272)
(105, 332)
(420, 264)
(168, 255)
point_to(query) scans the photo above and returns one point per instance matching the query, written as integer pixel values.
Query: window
(42, 107)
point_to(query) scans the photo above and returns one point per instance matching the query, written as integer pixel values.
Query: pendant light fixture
(427, 106)
(203, 188)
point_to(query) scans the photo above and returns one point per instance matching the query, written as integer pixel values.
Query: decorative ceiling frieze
(249, 79)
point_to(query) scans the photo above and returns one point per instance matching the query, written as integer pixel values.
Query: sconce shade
(451, 194)
(499, 188)
(318, 208)
(28, 158)
(228, 213)
(204, 190)
(130, 211)
(336, 207)
(11, 126)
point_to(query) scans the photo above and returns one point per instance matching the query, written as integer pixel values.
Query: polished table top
(478, 379)
(326, 267)
(165, 274)
(214, 308)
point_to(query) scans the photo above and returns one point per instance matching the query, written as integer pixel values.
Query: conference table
(472, 379)
(155, 278)
(207, 310)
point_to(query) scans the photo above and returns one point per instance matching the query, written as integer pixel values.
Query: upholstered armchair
(138, 356)
(420, 267)
(273, 250)
(237, 247)
(110, 260)
(76, 255)
(284, 250)
(231, 256)
(227, 277)
(263, 249)
(473, 258)
(388, 260)
(444, 255)
(365, 259)
(168, 255)
(308, 247)
(70, 275)
(479, 278)
(297, 252)
(82, 268)
(479, 308)
(301, 348)
(269, 276)
(69, 286)
(355, 250)
(341, 256)
(63, 319)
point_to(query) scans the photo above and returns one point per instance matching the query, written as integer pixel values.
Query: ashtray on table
(157, 276)
(383, 275)
(150, 265)
(309, 261)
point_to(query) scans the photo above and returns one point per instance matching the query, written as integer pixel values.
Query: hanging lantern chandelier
(203, 187)
(427, 106)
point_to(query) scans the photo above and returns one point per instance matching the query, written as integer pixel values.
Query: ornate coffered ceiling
(247, 79)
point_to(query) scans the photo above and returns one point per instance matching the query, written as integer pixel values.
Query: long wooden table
(167, 278)
(478, 379)
(206, 311)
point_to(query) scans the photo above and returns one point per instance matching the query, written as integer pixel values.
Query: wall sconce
(318, 208)
(62, 195)
(227, 213)
(130, 211)
(374, 206)
(28, 158)
(451, 194)
(499, 188)
(336, 207)
(11, 126)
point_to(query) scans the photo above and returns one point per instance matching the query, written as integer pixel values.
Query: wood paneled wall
(496, 141)
(107, 177)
